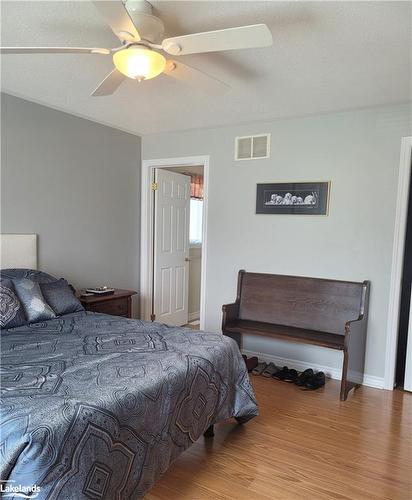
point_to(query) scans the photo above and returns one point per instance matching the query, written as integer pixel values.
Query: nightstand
(118, 303)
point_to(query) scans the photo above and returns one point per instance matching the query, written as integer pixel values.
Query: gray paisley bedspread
(96, 406)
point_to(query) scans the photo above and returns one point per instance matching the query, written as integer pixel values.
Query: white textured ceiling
(326, 56)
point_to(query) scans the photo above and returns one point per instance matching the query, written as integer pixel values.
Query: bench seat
(303, 335)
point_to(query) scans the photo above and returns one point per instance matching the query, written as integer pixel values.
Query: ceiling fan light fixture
(139, 63)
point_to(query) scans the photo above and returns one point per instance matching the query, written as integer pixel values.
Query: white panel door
(171, 247)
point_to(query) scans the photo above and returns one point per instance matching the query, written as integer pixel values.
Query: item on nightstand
(100, 290)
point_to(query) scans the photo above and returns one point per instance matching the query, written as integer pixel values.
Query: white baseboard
(335, 373)
(372, 381)
(193, 316)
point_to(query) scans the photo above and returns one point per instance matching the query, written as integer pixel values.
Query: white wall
(359, 152)
(77, 185)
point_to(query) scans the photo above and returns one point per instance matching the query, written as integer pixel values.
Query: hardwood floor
(304, 445)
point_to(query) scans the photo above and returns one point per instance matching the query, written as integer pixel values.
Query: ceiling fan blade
(53, 50)
(109, 84)
(194, 77)
(118, 19)
(244, 37)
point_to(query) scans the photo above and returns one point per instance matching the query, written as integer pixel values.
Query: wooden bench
(322, 312)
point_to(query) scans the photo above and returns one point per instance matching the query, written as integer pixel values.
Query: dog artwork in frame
(299, 198)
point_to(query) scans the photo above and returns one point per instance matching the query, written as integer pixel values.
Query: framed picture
(303, 198)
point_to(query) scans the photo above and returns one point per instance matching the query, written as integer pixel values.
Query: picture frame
(293, 198)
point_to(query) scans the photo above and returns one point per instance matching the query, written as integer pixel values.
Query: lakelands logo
(8, 489)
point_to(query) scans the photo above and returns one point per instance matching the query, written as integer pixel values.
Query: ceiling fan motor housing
(150, 27)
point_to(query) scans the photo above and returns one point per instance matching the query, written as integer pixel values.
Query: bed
(97, 406)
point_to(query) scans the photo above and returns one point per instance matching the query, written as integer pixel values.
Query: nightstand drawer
(117, 304)
(117, 307)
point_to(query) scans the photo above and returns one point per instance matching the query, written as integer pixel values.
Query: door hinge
(153, 186)
(152, 317)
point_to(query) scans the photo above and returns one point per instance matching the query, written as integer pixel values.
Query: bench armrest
(354, 348)
(230, 313)
(355, 324)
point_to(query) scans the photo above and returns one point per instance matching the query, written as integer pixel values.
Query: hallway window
(196, 213)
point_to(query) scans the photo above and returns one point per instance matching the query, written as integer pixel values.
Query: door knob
(187, 259)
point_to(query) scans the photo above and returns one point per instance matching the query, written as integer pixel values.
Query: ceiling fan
(139, 56)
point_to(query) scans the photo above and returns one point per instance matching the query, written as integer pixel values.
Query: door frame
(147, 218)
(398, 250)
(407, 384)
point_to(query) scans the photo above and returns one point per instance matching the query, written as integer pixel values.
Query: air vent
(252, 147)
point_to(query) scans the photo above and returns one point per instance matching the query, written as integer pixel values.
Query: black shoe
(303, 377)
(291, 376)
(281, 374)
(316, 381)
(286, 374)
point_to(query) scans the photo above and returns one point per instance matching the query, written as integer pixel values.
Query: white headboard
(18, 250)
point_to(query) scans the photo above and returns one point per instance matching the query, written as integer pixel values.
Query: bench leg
(352, 371)
(210, 432)
(345, 387)
(353, 357)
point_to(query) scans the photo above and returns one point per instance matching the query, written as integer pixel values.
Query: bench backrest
(312, 303)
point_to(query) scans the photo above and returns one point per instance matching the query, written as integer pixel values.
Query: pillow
(11, 310)
(35, 307)
(31, 274)
(60, 297)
